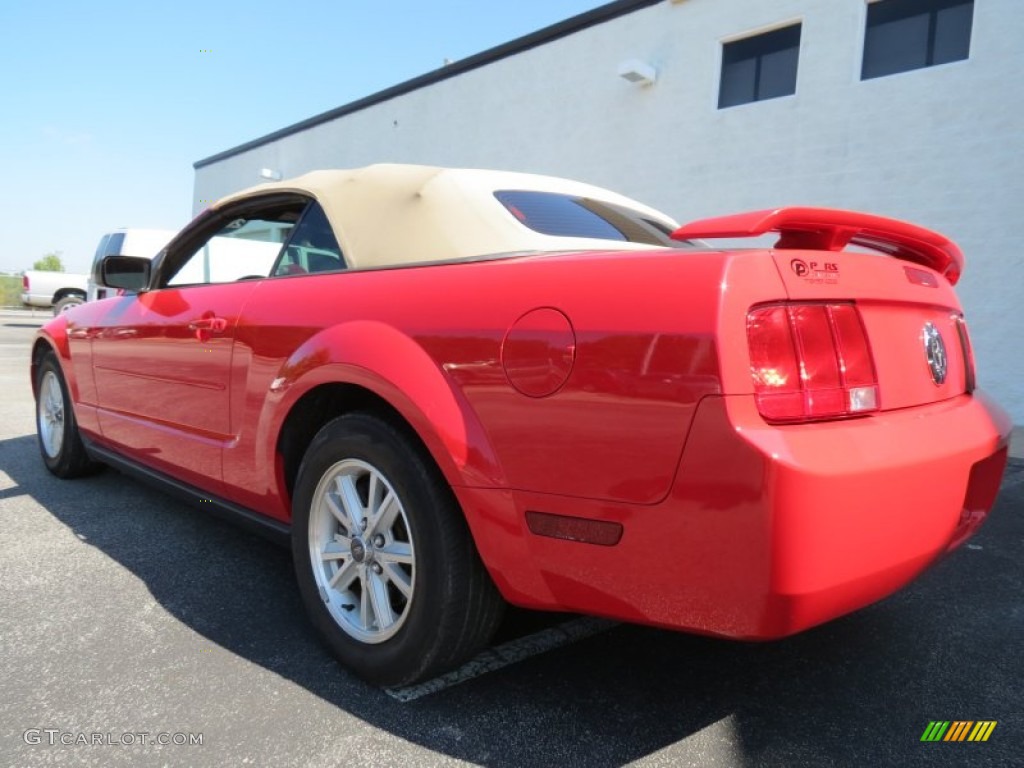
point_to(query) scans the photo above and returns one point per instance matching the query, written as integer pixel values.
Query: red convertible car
(452, 389)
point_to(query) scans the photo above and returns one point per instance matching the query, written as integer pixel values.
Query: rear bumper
(857, 509)
(767, 530)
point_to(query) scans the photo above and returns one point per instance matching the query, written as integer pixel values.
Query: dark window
(910, 34)
(101, 249)
(312, 246)
(112, 244)
(561, 215)
(760, 67)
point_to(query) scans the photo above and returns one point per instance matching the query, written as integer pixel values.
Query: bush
(50, 263)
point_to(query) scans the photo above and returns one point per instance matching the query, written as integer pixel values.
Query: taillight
(24, 283)
(810, 361)
(970, 380)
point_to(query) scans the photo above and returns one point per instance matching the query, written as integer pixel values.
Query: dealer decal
(820, 272)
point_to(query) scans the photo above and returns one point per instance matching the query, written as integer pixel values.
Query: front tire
(60, 443)
(386, 565)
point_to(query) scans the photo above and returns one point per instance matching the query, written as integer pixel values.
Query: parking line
(513, 651)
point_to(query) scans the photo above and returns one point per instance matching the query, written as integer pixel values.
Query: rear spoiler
(829, 229)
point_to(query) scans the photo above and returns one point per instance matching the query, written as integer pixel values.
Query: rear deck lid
(911, 315)
(903, 292)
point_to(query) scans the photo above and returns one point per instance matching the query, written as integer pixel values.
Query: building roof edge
(548, 34)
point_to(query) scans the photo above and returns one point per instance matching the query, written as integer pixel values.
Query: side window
(245, 246)
(101, 249)
(112, 244)
(312, 246)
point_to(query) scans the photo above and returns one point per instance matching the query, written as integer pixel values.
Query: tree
(50, 263)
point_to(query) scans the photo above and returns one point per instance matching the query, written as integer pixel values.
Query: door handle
(211, 324)
(205, 327)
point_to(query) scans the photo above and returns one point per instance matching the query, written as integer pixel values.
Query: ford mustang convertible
(456, 389)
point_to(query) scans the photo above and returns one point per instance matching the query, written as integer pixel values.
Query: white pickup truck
(130, 241)
(60, 290)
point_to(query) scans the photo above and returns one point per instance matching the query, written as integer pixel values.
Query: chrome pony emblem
(935, 352)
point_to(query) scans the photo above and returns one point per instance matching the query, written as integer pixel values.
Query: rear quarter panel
(430, 341)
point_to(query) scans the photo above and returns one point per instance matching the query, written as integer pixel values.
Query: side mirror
(129, 273)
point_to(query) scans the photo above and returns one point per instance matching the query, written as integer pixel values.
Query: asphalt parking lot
(128, 614)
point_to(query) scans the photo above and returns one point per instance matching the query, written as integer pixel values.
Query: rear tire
(60, 443)
(386, 565)
(67, 303)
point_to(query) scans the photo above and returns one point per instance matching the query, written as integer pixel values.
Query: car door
(162, 360)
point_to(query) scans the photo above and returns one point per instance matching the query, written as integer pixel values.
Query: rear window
(561, 215)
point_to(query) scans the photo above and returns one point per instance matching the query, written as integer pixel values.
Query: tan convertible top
(399, 214)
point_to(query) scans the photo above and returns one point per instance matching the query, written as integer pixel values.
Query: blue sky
(107, 104)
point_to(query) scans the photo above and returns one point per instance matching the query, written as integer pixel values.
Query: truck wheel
(67, 303)
(386, 565)
(59, 441)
